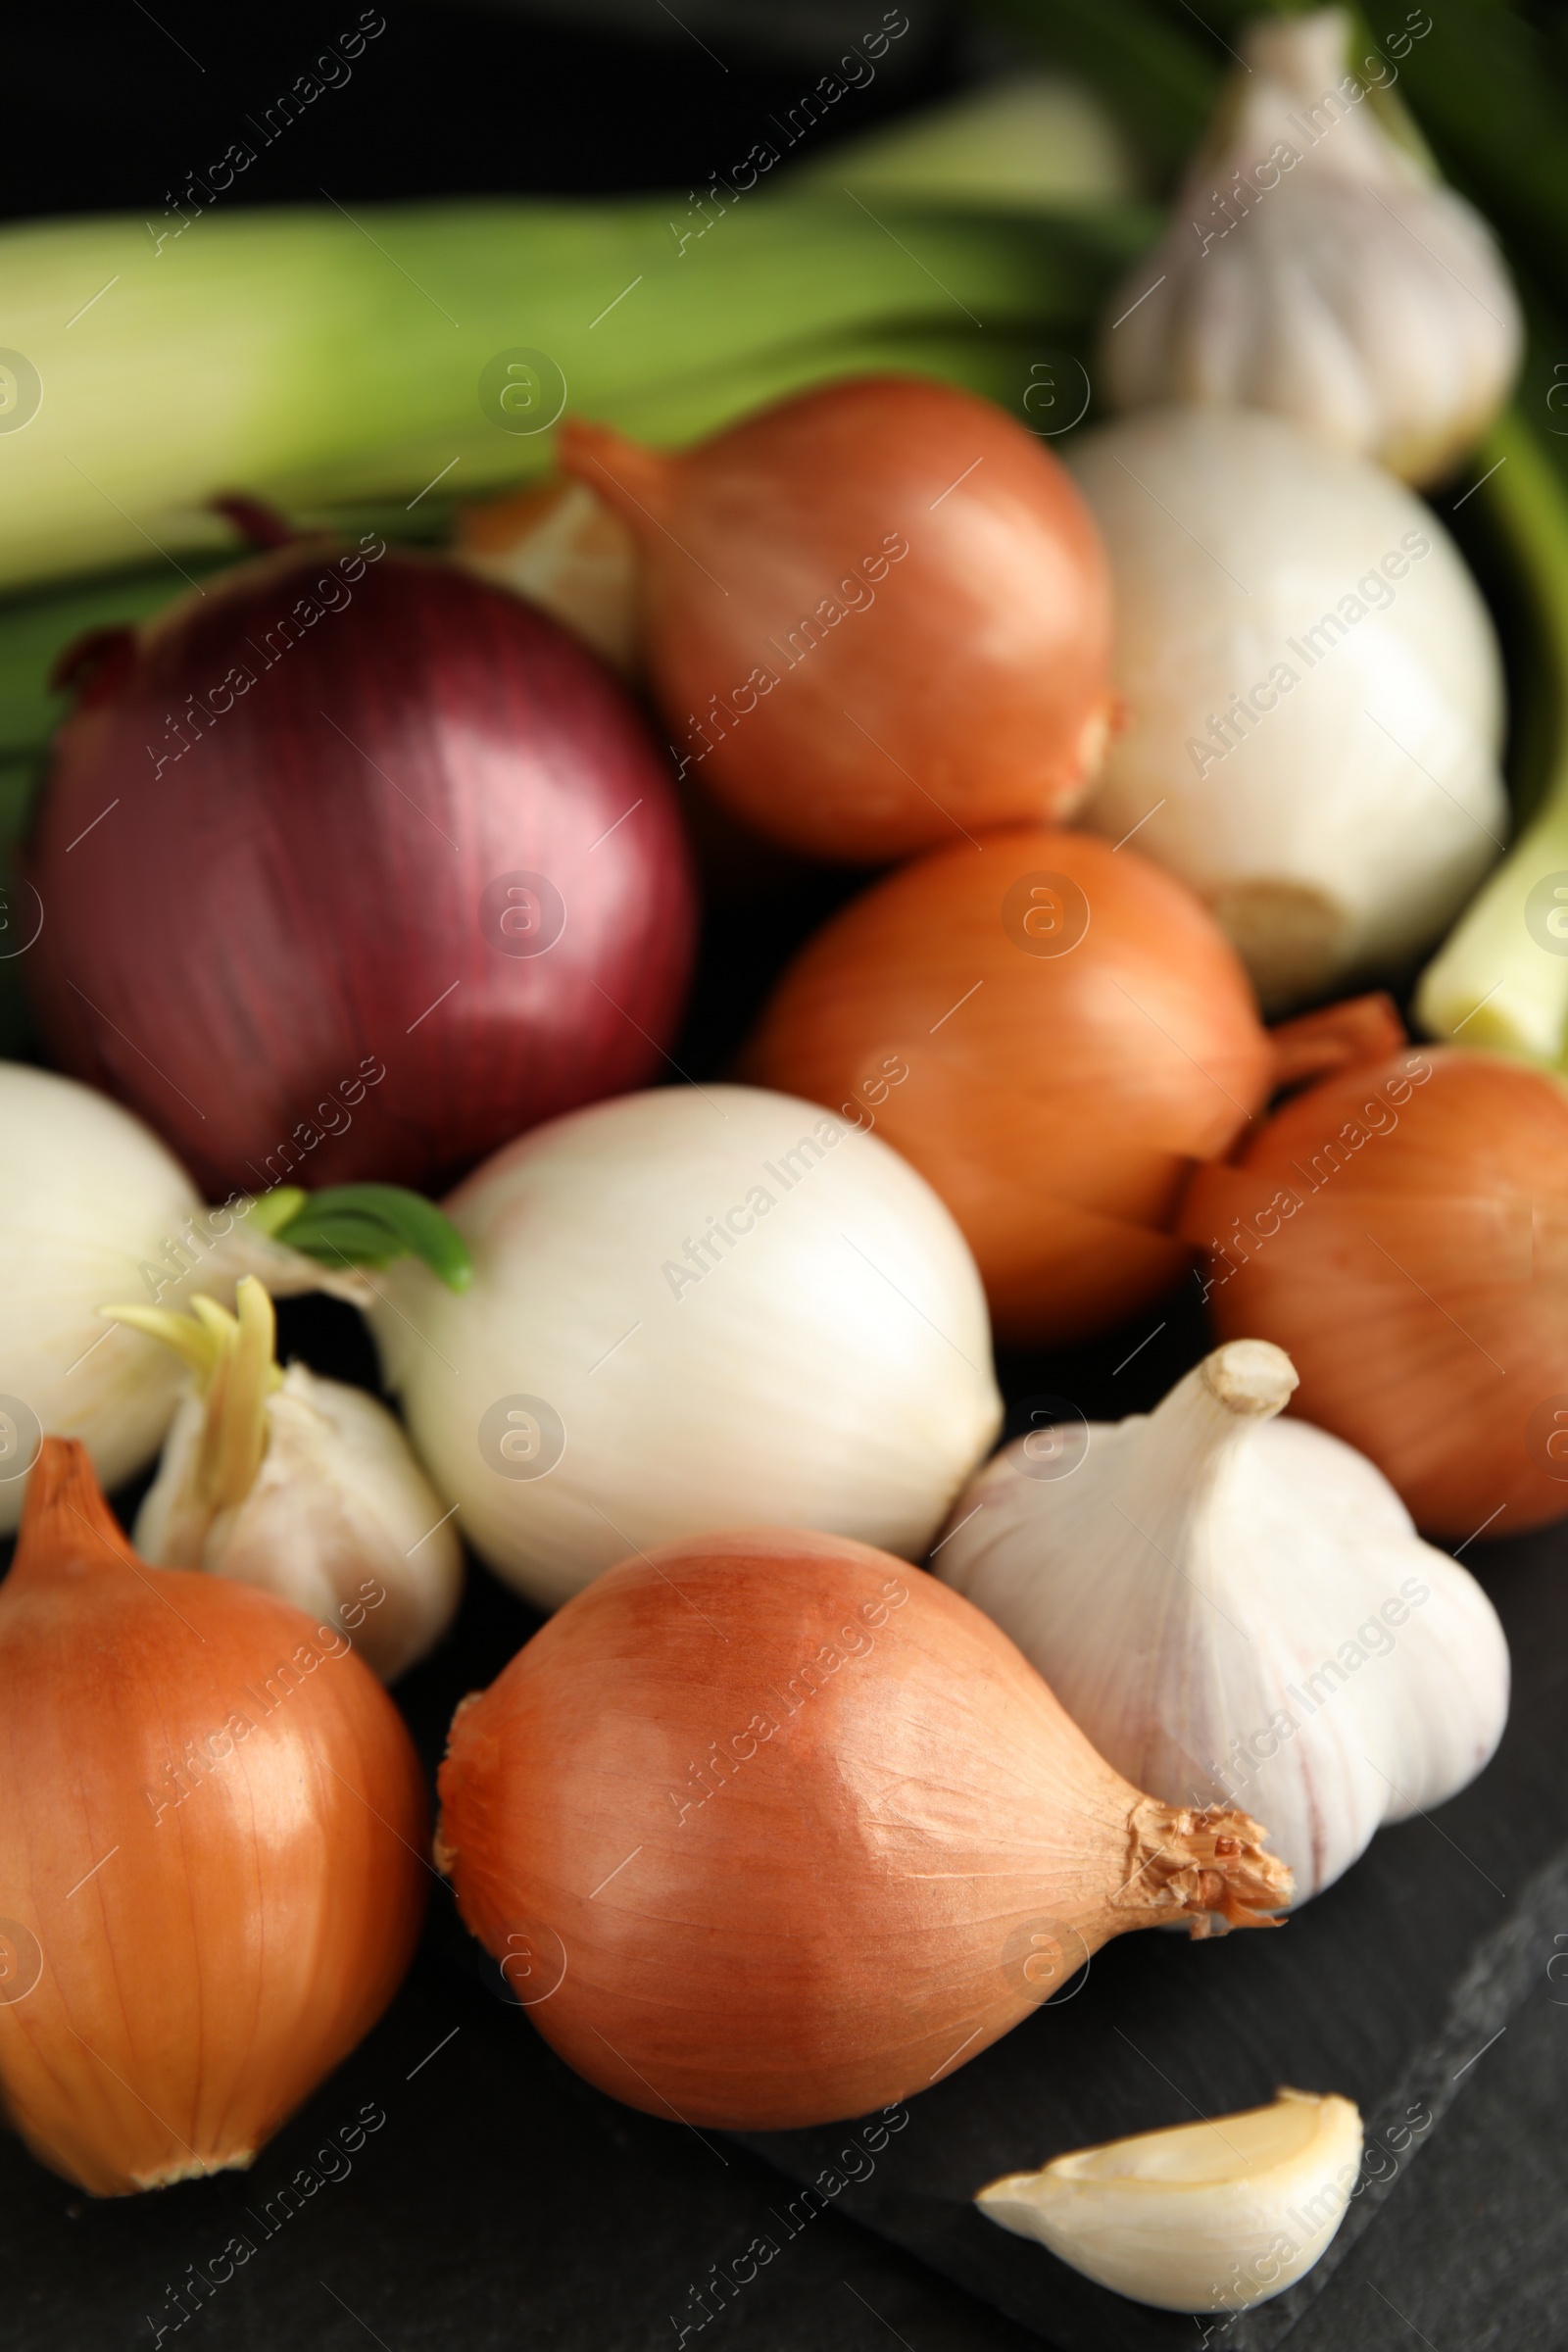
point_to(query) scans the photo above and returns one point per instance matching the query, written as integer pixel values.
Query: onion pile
(807, 577)
(767, 1829)
(1402, 1231)
(1075, 1032)
(211, 1816)
(353, 866)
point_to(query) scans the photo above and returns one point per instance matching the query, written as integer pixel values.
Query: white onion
(87, 1194)
(1357, 809)
(93, 1209)
(590, 1395)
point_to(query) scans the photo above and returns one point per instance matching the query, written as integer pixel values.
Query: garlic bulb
(1238, 1609)
(300, 1485)
(697, 1309)
(1214, 2216)
(1314, 267)
(1314, 690)
(92, 1206)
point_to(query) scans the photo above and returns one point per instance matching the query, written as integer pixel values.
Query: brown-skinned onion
(759, 1929)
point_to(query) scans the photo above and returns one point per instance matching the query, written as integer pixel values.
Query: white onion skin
(1350, 821)
(796, 1384)
(87, 1194)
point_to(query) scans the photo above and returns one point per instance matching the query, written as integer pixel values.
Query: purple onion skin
(318, 887)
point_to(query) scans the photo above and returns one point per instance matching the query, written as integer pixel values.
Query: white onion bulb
(87, 1194)
(1313, 689)
(693, 1309)
(93, 1208)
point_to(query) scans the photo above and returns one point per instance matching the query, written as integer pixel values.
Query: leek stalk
(1501, 979)
(311, 358)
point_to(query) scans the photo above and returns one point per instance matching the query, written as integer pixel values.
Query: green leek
(1501, 979)
(312, 358)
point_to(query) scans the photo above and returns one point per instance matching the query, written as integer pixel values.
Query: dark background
(503, 2203)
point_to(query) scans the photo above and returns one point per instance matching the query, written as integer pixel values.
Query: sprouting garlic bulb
(1315, 266)
(302, 1485)
(1213, 2216)
(1238, 1609)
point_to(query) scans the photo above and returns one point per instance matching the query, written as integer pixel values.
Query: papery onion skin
(87, 1194)
(198, 1971)
(1055, 1101)
(566, 551)
(821, 1360)
(290, 946)
(1420, 1283)
(1315, 750)
(960, 683)
(94, 1208)
(759, 1929)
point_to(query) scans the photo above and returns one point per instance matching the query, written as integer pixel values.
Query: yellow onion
(875, 617)
(1400, 1230)
(768, 1829)
(1051, 1031)
(212, 1828)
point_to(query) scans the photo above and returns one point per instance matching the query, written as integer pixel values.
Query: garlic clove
(1238, 1609)
(1315, 266)
(1213, 2216)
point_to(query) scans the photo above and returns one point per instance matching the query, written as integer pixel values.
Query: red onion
(354, 865)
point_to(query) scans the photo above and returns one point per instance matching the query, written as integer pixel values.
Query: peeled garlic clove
(1213, 2216)
(1315, 265)
(1238, 1609)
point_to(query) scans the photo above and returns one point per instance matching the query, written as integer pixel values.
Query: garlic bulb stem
(1213, 2215)
(1238, 1608)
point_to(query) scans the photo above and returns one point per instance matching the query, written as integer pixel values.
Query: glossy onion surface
(355, 867)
